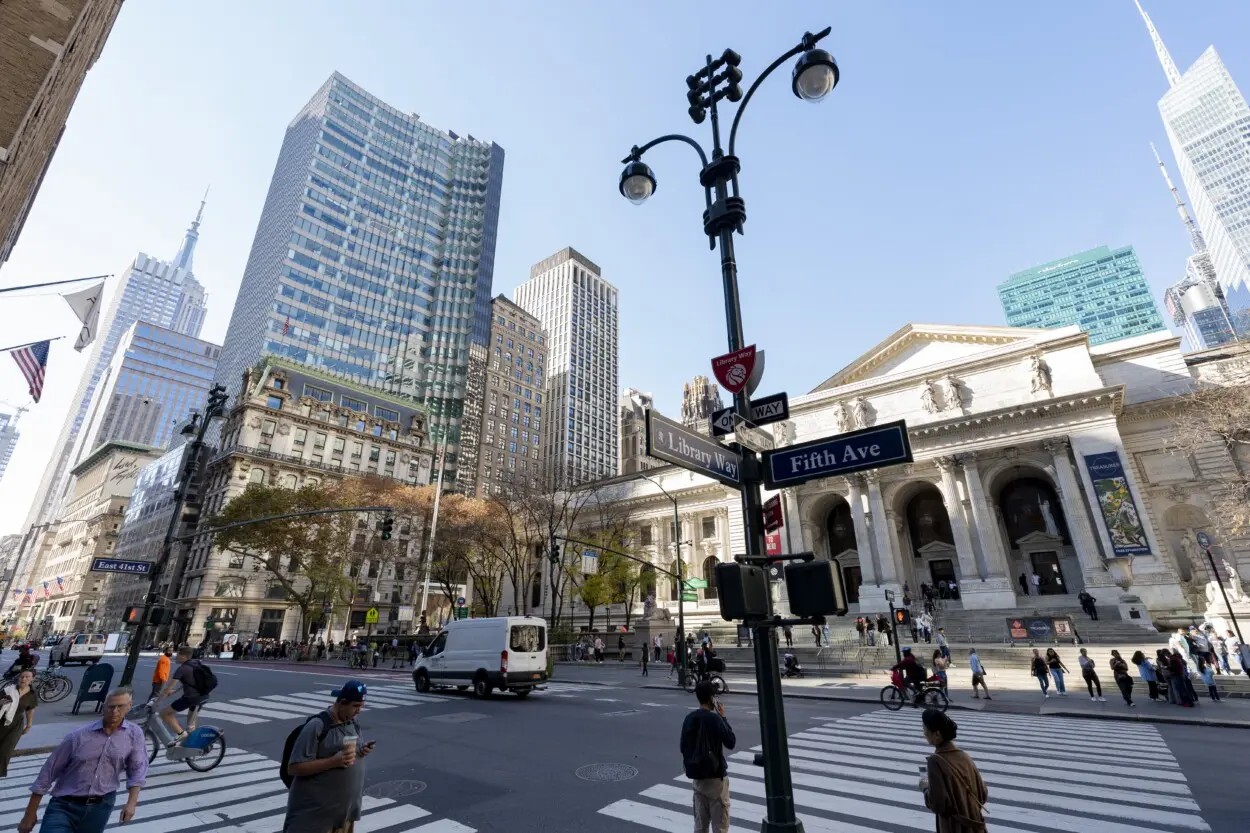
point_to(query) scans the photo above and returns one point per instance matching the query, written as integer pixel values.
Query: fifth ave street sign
(868, 448)
(677, 444)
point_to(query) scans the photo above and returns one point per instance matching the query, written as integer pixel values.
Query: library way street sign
(677, 444)
(868, 448)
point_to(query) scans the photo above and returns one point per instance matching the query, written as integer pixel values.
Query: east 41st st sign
(870, 448)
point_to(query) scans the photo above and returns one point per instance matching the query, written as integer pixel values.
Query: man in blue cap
(328, 777)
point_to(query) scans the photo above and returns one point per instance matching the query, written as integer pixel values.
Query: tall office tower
(504, 446)
(1102, 290)
(150, 388)
(634, 407)
(374, 254)
(9, 435)
(46, 49)
(578, 309)
(1208, 126)
(700, 397)
(160, 292)
(1196, 302)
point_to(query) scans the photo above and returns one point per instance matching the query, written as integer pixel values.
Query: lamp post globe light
(814, 75)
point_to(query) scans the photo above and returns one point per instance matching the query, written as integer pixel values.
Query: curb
(34, 750)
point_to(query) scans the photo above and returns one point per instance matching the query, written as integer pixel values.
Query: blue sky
(967, 140)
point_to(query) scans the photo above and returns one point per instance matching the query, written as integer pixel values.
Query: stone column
(993, 560)
(868, 569)
(887, 558)
(959, 526)
(1074, 508)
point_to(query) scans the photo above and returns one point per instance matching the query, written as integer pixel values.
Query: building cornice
(1109, 401)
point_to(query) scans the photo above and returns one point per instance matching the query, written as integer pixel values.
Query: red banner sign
(772, 543)
(733, 370)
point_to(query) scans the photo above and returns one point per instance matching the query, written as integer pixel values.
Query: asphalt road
(582, 756)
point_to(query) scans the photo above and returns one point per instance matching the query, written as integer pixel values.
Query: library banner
(1119, 511)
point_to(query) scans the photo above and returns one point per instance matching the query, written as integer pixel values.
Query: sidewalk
(1230, 713)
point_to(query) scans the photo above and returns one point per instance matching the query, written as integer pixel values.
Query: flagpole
(54, 283)
(27, 344)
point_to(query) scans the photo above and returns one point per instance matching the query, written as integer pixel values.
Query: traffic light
(815, 589)
(388, 524)
(742, 590)
(553, 552)
(133, 615)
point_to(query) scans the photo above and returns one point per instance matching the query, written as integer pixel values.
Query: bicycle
(931, 696)
(203, 748)
(49, 684)
(693, 678)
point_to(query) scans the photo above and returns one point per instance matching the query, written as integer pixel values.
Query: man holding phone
(705, 735)
(328, 776)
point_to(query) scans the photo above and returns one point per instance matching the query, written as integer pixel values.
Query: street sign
(868, 448)
(460, 601)
(677, 444)
(772, 513)
(690, 597)
(748, 436)
(733, 370)
(696, 583)
(770, 409)
(118, 565)
(405, 613)
(371, 616)
(1204, 540)
(462, 613)
(722, 422)
(590, 562)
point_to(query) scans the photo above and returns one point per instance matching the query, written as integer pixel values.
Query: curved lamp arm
(637, 152)
(808, 42)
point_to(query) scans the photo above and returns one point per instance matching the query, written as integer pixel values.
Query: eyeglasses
(117, 707)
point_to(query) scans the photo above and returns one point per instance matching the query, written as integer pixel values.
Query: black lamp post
(814, 75)
(197, 427)
(680, 642)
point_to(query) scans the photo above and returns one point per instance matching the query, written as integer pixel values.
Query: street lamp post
(681, 585)
(814, 75)
(217, 398)
(889, 600)
(1205, 542)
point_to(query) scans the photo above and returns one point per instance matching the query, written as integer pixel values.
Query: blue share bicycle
(202, 750)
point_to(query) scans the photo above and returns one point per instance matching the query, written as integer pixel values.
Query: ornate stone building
(1036, 455)
(700, 398)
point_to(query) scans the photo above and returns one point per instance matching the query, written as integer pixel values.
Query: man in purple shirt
(84, 773)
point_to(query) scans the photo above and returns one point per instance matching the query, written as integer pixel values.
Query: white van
(508, 653)
(78, 647)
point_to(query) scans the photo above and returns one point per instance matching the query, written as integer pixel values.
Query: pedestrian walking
(672, 660)
(789, 634)
(397, 656)
(953, 788)
(1036, 581)
(1057, 670)
(871, 628)
(327, 767)
(943, 648)
(816, 636)
(1147, 672)
(861, 626)
(883, 627)
(659, 644)
(1119, 670)
(160, 675)
(1179, 685)
(83, 773)
(1208, 677)
(1024, 584)
(620, 648)
(1037, 667)
(1221, 653)
(705, 735)
(17, 715)
(939, 671)
(598, 650)
(646, 655)
(978, 674)
(1088, 604)
(1090, 676)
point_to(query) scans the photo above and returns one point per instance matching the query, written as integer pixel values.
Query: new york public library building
(1043, 466)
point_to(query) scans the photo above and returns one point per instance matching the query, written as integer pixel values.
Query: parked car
(82, 648)
(506, 653)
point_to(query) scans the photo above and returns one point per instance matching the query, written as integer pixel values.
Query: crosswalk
(554, 689)
(299, 705)
(860, 774)
(242, 795)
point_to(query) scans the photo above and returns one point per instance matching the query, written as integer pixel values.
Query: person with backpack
(322, 765)
(197, 681)
(705, 735)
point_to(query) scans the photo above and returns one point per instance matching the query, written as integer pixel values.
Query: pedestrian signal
(388, 524)
(133, 615)
(902, 617)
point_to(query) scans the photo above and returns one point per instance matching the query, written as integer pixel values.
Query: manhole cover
(395, 789)
(606, 772)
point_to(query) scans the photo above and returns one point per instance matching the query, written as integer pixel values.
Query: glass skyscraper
(1208, 126)
(149, 390)
(161, 292)
(1102, 290)
(374, 255)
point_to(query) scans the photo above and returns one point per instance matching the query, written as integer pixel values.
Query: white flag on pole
(86, 305)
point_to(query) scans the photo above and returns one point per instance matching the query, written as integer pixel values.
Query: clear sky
(967, 140)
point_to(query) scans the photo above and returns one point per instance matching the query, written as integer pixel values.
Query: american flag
(33, 360)
(286, 328)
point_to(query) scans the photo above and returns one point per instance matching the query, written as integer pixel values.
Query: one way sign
(763, 411)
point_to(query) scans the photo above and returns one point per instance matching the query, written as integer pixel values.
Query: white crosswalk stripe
(299, 705)
(242, 795)
(572, 688)
(859, 775)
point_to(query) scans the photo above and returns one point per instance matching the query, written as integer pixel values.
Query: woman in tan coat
(952, 786)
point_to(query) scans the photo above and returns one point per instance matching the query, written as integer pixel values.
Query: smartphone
(924, 769)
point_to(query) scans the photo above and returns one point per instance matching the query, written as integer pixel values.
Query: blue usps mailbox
(95, 686)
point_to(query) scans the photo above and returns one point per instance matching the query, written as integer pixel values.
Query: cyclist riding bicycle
(189, 700)
(26, 660)
(913, 674)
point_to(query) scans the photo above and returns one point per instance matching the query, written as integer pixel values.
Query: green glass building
(1103, 290)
